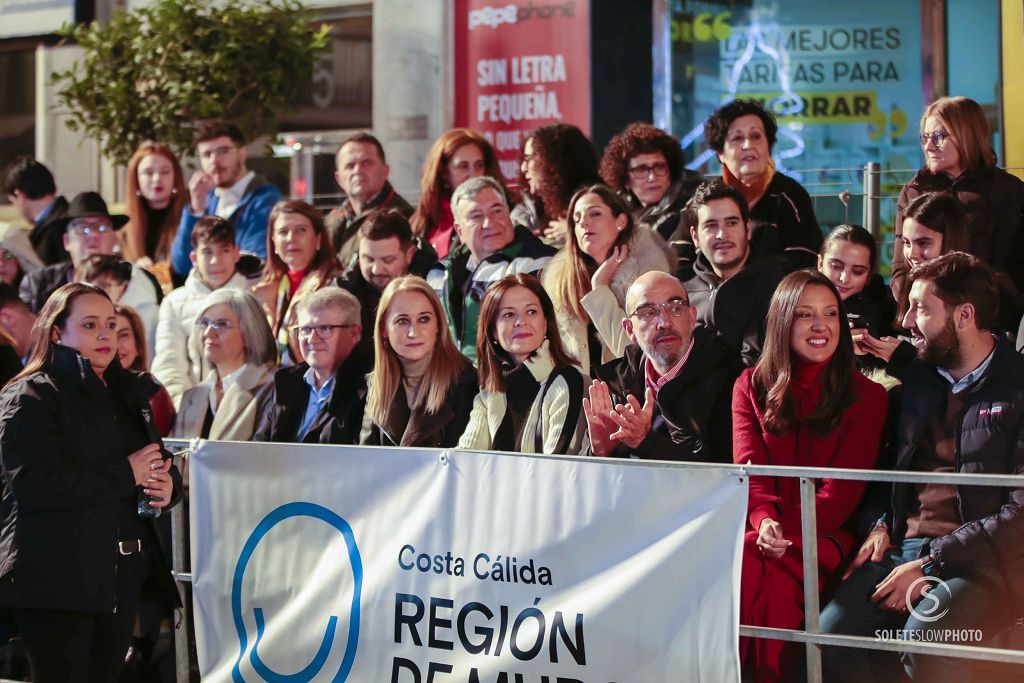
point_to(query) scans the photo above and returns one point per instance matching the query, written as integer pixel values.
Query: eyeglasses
(215, 325)
(84, 230)
(322, 331)
(659, 169)
(936, 136)
(650, 312)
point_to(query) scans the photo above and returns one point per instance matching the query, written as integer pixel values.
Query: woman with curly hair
(743, 133)
(457, 155)
(156, 195)
(557, 160)
(587, 280)
(645, 165)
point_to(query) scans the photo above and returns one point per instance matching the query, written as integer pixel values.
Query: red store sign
(519, 66)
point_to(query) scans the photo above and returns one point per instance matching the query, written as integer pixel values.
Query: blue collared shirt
(45, 213)
(318, 399)
(971, 377)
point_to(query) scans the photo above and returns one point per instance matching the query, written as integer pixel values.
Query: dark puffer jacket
(69, 487)
(990, 441)
(738, 308)
(994, 203)
(692, 415)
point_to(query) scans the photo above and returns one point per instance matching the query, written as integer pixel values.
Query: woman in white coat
(587, 280)
(233, 335)
(531, 392)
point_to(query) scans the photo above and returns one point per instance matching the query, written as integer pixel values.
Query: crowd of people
(614, 306)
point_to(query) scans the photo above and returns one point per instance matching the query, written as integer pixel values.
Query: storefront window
(847, 82)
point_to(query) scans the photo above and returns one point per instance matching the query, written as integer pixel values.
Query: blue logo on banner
(313, 668)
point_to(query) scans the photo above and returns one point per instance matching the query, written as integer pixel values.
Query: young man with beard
(669, 397)
(224, 187)
(731, 288)
(962, 411)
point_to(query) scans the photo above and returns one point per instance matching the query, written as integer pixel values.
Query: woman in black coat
(422, 389)
(84, 472)
(959, 160)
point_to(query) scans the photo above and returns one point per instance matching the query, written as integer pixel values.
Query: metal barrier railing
(811, 634)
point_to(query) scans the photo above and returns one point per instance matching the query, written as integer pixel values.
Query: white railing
(811, 634)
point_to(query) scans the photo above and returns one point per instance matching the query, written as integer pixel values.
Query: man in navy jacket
(962, 411)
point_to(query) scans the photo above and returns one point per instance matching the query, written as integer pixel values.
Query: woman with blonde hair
(422, 389)
(587, 280)
(457, 155)
(156, 194)
(300, 260)
(959, 159)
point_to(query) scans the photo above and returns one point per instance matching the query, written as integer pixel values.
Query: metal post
(809, 525)
(178, 545)
(872, 188)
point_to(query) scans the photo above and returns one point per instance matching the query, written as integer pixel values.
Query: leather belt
(129, 547)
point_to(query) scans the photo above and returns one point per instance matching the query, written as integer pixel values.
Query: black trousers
(65, 646)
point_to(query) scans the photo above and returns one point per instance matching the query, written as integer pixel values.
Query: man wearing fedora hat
(90, 229)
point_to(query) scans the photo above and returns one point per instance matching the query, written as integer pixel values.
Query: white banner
(335, 563)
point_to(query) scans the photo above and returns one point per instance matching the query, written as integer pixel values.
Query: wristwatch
(929, 567)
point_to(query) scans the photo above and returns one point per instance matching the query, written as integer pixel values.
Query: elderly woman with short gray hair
(233, 336)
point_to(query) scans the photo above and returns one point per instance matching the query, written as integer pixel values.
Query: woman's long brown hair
(574, 283)
(54, 313)
(490, 356)
(773, 374)
(325, 261)
(432, 183)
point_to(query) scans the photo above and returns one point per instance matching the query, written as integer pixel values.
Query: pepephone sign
(493, 17)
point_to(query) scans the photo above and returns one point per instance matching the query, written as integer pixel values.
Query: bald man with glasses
(669, 397)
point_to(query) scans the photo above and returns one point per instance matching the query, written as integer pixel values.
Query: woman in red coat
(803, 404)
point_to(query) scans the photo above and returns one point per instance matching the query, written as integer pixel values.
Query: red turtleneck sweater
(295, 278)
(854, 444)
(440, 235)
